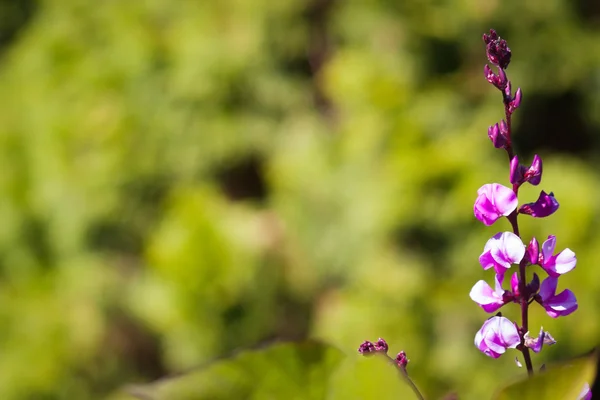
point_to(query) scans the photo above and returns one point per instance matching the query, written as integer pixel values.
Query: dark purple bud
(502, 80)
(545, 205)
(533, 251)
(489, 75)
(515, 102)
(533, 175)
(534, 285)
(381, 346)
(499, 81)
(497, 139)
(504, 128)
(366, 348)
(401, 360)
(508, 90)
(496, 49)
(516, 171)
(492, 36)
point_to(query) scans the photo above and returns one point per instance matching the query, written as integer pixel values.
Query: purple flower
(533, 174)
(556, 305)
(496, 49)
(494, 201)
(496, 335)
(501, 251)
(490, 299)
(586, 393)
(536, 344)
(520, 174)
(545, 205)
(558, 264)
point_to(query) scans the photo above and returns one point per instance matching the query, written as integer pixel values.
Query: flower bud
(402, 360)
(496, 49)
(534, 285)
(533, 251)
(533, 174)
(489, 75)
(497, 139)
(502, 80)
(514, 284)
(366, 348)
(508, 90)
(515, 102)
(504, 129)
(516, 171)
(381, 346)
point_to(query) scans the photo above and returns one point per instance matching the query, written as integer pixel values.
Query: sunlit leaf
(560, 382)
(282, 371)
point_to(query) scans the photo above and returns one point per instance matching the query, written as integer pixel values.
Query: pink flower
(559, 264)
(490, 299)
(556, 305)
(544, 206)
(502, 250)
(496, 335)
(494, 201)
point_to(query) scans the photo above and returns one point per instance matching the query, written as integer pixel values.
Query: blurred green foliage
(312, 370)
(180, 180)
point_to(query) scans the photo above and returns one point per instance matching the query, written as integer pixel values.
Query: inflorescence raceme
(505, 249)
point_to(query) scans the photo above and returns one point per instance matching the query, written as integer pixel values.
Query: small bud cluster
(368, 348)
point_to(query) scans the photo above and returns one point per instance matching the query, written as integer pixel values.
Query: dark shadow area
(555, 123)
(14, 15)
(243, 179)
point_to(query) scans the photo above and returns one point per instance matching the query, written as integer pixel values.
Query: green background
(183, 179)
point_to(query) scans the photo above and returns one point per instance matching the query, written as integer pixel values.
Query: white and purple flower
(494, 201)
(501, 251)
(496, 335)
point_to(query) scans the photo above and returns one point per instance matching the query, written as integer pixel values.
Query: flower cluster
(506, 249)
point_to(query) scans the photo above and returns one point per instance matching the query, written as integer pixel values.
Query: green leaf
(281, 371)
(307, 370)
(560, 382)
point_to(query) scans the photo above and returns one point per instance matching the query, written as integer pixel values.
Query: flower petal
(562, 304)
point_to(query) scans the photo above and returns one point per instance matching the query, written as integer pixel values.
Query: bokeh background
(183, 179)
